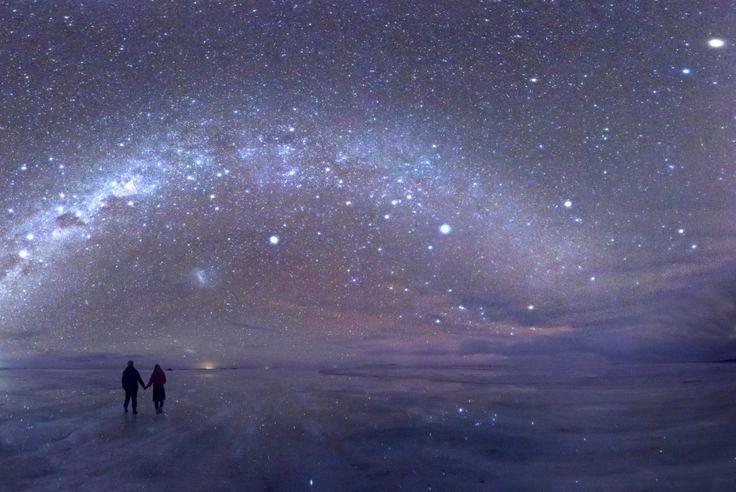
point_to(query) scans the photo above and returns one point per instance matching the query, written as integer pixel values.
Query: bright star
(568, 203)
(445, 229)
(716, 43)
(274, 240)
(23, 253)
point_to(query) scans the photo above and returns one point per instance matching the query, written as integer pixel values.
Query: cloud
(693, 323)
(75, 359)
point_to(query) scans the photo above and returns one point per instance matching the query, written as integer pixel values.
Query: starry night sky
(212, 183)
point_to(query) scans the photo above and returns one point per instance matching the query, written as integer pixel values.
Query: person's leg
(134, 398)
(127, 399)
(161, 406)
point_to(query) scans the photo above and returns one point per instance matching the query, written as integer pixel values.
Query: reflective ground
(451, 427)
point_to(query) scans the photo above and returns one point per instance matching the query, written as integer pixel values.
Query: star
(155, 180)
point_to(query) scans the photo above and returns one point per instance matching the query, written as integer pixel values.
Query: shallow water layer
(450, 427)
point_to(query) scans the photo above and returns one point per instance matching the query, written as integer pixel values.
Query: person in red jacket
(157, 380)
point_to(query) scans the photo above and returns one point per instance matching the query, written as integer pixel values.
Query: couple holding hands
(131, 379)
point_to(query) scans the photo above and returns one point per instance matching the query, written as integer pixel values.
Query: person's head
(130, 363)
(157, 367)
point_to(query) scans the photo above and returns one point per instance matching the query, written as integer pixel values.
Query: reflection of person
(131, 379)
(158, 380)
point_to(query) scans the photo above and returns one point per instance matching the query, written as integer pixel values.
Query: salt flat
(391, 427)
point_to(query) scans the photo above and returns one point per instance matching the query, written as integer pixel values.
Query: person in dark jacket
(158, 380)
(131, 379)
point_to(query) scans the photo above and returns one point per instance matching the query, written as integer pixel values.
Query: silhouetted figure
(158, 380)
(131, 379)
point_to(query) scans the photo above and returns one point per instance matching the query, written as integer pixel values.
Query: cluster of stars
(380, 178)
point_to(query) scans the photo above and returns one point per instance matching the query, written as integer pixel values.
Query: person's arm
(141, 381)
(122, 380)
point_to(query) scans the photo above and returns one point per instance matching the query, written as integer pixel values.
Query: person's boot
(135, 412)
(126, 409)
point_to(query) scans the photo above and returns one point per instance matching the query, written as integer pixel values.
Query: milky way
(316, 181)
